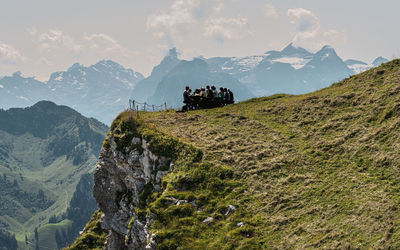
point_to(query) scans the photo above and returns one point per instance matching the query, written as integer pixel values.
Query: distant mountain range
(103, 89)
(292, 70)
(47, 155)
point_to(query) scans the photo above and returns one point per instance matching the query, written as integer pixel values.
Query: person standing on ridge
(186, 98)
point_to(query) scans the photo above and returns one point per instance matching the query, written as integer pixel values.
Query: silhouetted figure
(231, 98)
(186, 99)
(227, 96)
(204, 98)
(214, 90)
(209, 92)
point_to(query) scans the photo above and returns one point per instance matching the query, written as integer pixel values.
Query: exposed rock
(208, 220)
(152, 243)
(240, 224)
(119, 180)
(230, 210)
(181, 202)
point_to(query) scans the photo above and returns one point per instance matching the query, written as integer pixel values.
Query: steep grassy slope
(45, 153)
(310, 171)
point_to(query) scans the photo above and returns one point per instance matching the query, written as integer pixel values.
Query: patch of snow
(226, 68)
(23, 98)
(325, 56)
(58, 78)
(359, 68)
(295, 62)
(249, 62)
(1, 86)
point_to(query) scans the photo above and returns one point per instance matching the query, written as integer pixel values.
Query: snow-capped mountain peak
(326, 51)
(294, 51)
(378, 61)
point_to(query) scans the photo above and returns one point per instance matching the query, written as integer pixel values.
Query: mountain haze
(100, 90)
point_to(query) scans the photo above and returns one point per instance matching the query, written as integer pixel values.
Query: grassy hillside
(319, 170)
(45, 150)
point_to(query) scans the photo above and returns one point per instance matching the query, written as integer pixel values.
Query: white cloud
(44, 61)
(103, 42)
(270, 11)
(335, 36)
(188, 17)
(307, 24)
(226, 28)
(310, 34)
(56, 39)
(10, 55)
(174, 23)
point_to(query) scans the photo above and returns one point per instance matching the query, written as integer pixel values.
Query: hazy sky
(42, 36)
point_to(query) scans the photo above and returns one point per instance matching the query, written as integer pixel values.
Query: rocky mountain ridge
(287, 171)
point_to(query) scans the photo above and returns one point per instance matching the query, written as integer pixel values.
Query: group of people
(207, 97)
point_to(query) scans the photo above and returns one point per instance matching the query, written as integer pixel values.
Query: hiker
(186, 99)
(221, 93)
(231, 99)
(227, 96)
(209, 92)
(214, 91)
(197, 92)
(203, 92)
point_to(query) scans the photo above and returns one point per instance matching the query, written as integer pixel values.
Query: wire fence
(139, 106)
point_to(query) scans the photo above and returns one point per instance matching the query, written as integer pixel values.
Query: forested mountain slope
(47, 156)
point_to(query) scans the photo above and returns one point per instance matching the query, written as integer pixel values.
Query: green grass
(319, 170)
(92, 237)
(47, 233)
(43, 164)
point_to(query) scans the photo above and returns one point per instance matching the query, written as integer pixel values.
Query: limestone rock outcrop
(122, 180)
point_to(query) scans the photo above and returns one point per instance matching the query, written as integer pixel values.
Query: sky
(38, 37)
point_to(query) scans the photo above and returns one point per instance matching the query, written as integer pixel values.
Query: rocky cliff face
(122, 182)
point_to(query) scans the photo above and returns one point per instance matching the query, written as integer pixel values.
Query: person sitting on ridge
(214, 91)
(209, 92)
(227, 96)
(231, 99)
(203, 92)
(221, 93)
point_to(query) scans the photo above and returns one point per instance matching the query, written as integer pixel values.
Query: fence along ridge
(135, 106)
